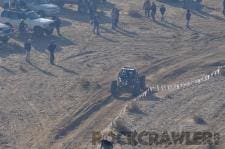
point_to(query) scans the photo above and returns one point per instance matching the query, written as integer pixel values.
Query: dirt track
(44, 106)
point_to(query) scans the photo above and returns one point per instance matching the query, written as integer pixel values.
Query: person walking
(162, 11)
(147, 8)
(57, 22)
(27, 47)
(51, 49)
(96, 24)
(153, 11)
(188, 18)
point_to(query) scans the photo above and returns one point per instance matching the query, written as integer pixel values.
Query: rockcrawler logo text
(164, 138)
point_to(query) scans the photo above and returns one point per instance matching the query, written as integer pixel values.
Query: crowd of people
(51, 48)
(150, 11)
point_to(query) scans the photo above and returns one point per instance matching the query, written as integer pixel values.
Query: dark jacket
(27, 46)
(52, 48)
(163, 10)
(188, 15)
(147, 5)
(96, 21)
(58, 22)
(153, 8)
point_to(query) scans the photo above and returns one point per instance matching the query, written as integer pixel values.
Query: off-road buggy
(128, 81)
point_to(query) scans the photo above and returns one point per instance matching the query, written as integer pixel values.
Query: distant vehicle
(34, 22)
(5, 33)
(42, 7)
(61, 3)
(128, 80)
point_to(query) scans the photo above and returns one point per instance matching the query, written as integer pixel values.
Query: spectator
(96, 24)
(51, 49)
(147, 8)
(153, 11)
(27, 47)
(162, 11)
(57, 23)
(188, 18)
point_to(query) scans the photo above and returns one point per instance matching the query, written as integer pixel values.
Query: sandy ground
(44, 106)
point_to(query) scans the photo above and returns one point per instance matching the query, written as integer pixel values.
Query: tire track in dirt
(82, 117)
(96, 123)
(96, 117)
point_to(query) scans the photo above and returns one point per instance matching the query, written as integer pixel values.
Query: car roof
(14, 10)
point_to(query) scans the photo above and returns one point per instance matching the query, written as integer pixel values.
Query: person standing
(92, 8)
(162, 11)
(51, 49)
(153, 11)
(96, 24)
(27, 47)
(113, 16)
(117, 15)
(188, 18)
(57, 22)
(147, 8)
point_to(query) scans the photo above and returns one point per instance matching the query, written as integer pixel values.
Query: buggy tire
(9, 24)
(142, 82)
(114, 89)
(136, 91)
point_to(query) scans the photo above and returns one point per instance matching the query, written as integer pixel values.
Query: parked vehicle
(61, 3)
(5, 33)
(39, 26)
(42, 7)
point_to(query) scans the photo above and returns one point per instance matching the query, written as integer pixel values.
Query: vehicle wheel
(42, 14)
(38, 31)
(142, 82)
(10, 25)
(114, 89)
(136, 91)
(49, 31)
